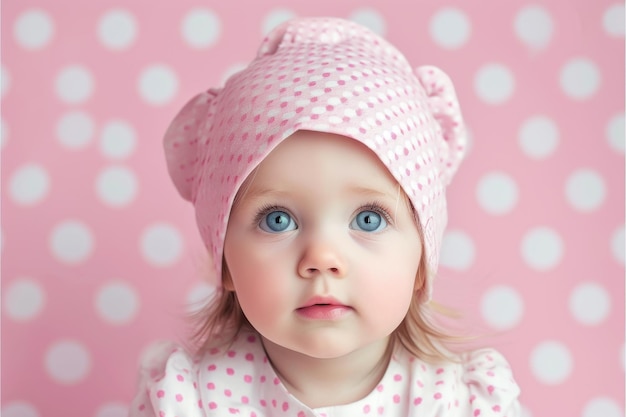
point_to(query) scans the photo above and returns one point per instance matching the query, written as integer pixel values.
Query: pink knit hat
(326, 75)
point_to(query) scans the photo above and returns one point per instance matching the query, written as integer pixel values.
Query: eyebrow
(351, 190)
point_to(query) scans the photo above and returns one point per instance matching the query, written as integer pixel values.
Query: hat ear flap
(183, 140)
(445, 108)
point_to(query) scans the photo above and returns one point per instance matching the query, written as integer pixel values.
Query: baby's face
(322, 248)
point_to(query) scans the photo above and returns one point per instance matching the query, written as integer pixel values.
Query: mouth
(322, 301)
(323, 308)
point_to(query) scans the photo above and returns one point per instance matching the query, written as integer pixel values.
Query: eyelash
(371, 206)
(377, 208)
(267, 209)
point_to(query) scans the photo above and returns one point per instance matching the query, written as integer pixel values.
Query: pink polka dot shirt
(240, 381)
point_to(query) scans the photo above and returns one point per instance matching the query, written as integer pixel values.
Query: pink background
(100, 257)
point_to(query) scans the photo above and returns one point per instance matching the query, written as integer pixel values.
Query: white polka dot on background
(457, 250)
(71, 242)
(551, 362)
(580, 78)
(4, 133)
(161, 245)
(494, 83)
(613, 20)
(75, 130)
(117, 29)
(112, 410)
(497, 193)
(538, 137)
(542, 248)
(116, 186)
(502, 307)
(615, 132)
(275, 18)
(23, 299)
(117, 140)
(19, 409)
(450, 28)
(5, 81)
(590, 303)
(201, 28)
(158, 84)
(370, 18)
(33, 29)
(29, 185)
(526, 412)
(585, 190)
(469, 145)
(617, 244)
(74, 84)
(198, 296)
(68, 362)
(534, 27)
(117, 303)
(602, 407)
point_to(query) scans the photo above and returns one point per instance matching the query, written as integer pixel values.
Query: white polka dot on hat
(326, 75)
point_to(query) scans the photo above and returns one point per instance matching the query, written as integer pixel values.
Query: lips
(323, 308)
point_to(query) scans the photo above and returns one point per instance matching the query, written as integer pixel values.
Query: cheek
(258, 282)
(393, 286)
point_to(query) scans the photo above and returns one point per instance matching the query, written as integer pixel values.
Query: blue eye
(368, 221)
(277, 222)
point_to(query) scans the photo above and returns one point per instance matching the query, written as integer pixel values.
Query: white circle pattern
(158, 84)
(117, 29)
(450, 28)
(68, 362)
(534, 27)
(494, 84)
(497, 193)
(580, 78)
(539, 137)
(118, 139)
(29, 185)
(33, 29)
(117, 303)
(75, 130)
(201, 28)
(551, 362)
(542, 248)
(74, 84)
(71, 242)
(585, 190)
(23, 299)
(161, 245)
(590, 303)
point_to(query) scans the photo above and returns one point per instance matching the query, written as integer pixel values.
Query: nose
(321, 258)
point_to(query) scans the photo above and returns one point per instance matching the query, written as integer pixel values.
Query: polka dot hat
(327, 75)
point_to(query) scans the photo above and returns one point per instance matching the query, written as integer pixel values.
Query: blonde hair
(222, 318)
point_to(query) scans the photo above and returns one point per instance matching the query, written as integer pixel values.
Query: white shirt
(239, 381)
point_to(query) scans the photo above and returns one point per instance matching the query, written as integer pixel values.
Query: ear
(445, 108)
(183, 140)
(420, 277)
(227, 280)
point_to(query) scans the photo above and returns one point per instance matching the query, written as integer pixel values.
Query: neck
(335, 381)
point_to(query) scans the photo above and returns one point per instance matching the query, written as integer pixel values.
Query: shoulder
(490, 383)
(175, 382)
(479, 382)
(167, 382)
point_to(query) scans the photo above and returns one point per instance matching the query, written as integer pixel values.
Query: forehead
(322, 153)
